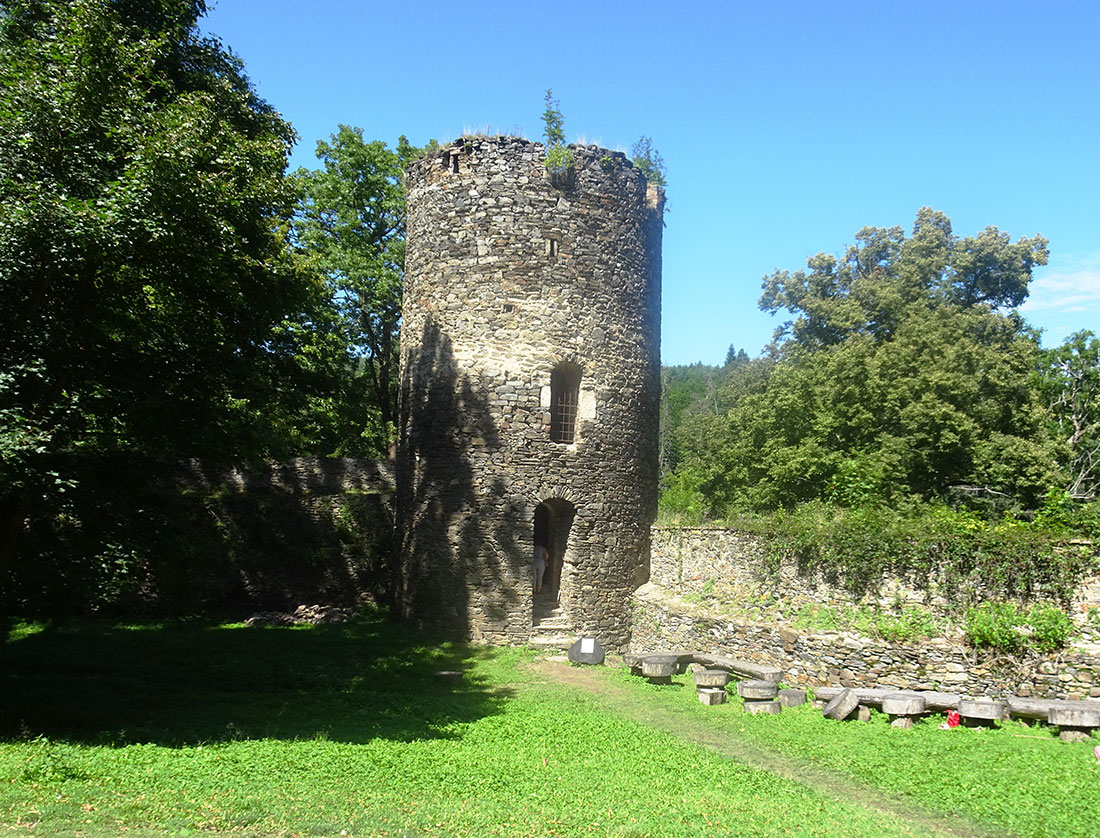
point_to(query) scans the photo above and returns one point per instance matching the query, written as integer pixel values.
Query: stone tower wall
(507, 276)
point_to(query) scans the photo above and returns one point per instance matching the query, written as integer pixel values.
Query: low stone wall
(300, 476)
(694, 570)
(731, 565)
(662, 621)
(180, 537)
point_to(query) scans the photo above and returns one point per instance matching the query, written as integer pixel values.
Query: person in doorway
(540, 566)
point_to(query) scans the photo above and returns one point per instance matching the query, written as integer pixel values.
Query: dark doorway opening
(553, 520)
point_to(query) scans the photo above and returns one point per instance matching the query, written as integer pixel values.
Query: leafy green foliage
(559, 158)
(1003, 627)
(646, 158)
(992, 625)
(1051, 627)
(350, 231)
(140, 182)
(969, 558)
(1070, 380)
(902, 625)
(898, 376)
(22, 438)
(149, 305)
(553, 121)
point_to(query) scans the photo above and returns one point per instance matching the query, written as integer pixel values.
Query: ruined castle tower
(530, 377)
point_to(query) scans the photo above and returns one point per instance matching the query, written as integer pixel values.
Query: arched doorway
(553, 520)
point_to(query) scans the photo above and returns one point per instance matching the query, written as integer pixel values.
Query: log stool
(842, 705)
(980, 712)
(659, 668)
(1075, 724)
(710, 686)
(902, 709)
(711, 678)
(759, 696)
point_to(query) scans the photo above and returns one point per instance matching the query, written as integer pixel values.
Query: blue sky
(785, 127)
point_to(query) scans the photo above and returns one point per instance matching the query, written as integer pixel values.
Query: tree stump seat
(659, 668)
(1075, 724)
(842, 705)
(903, 708)
(981, 712)
(711, 678)
(769, 708)
(757, 690)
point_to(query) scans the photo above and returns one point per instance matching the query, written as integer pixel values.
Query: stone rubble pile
(303, 614)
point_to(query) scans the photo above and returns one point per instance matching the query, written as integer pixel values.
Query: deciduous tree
(903, 371)
(1071, 382)
(145, 300)
(350, 230)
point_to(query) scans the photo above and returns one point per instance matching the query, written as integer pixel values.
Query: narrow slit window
(552, 246)
(565, 385)
(454, 162)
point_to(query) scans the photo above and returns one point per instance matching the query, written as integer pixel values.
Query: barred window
(565, 385)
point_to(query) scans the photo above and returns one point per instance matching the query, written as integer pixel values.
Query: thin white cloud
(1070, 284)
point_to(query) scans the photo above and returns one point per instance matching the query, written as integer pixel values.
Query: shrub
(1001, 626)
(972, 559)
(994, 625)
(1051, 628)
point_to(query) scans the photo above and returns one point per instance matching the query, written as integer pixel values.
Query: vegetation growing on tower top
(559, 158)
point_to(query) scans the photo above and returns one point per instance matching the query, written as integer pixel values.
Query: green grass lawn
(1016, 778)
(191, 728)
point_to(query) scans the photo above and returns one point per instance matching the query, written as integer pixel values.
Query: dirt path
(822, 780)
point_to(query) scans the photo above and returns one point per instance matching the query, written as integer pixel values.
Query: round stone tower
(530, 378)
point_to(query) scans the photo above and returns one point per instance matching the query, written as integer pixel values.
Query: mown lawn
(1013, 779)
(191, 728)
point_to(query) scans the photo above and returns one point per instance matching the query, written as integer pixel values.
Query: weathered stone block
(791, 698)
(712, 695)
(842, 705)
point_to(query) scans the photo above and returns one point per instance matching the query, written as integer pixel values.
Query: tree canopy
(141, 181)
(349, 229)
(904, 372)
(1070, 379)
(148, 304)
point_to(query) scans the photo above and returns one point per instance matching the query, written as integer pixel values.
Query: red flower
(952, 719)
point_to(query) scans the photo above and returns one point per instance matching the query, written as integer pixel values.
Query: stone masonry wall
(731, 565)
(183, 537)
(727, 565)
(663, 622)
(281, 534)
(508, 276)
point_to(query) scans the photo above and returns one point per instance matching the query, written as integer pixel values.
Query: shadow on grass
(193, 682)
